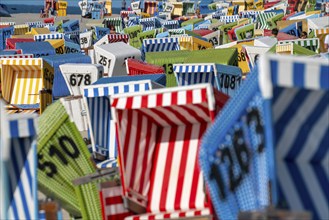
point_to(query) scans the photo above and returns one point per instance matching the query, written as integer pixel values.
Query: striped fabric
(17, 56)
(229, 18)
(218, 14)
(101, 125)
(285, 48)
(118, 38)
(250, 14)
(299, 93)
(124, 14)
(174, 24)
(321, 31)
(160, 133)
(20, 170)
(137, 67)
(261, 20)
(150, 23)
(116, 22)
(204, 26)
(7, 23)
(160, 44)
(112, 203)
(22, 79)
(310, 43)
(42, 37)
(190, 74)
(203, 214)
(150, 7)
(33, 24)
(133, 21)
(21, 29)
(176, 31)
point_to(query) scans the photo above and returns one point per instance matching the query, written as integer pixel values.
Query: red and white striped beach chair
(159, 135)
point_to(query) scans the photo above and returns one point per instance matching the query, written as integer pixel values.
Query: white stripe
(285, 73)
(190, 166)
(132, 141)
(312, 76)
(175, 168)
(115, 209)
(159, 169)
(166, 99)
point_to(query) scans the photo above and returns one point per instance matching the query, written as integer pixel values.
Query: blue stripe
(274, 71)
(324, 77)
(322, 178)
(106, 91)
(276, 93)
(116, 89)
(136, 87)
(96, 92)
(282, 202)
(306, 128)
(32, 131)
(323, 149)
(126, 88)
(301, 187)
(13, 127)
(289, 113)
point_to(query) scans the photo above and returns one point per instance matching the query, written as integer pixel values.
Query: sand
(29, 17)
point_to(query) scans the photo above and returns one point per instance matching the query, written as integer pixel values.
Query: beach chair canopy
(22, 79)
(18, 163)
(297, 91)
(159, 134)
(112, 57)
(137, 67)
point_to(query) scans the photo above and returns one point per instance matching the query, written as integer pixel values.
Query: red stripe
(145, 159)
(197, 213)
(144, 101)
(156, 157)
(114, 102)
(113, 200)
(159, 99)
(189, 96)
(182, 167)
(196, 171)
(180, 115)
(204, 97)
(174, 98)
(102, 204)
(182, 214)
(136, 148)
(163, 116)
(119, 216)
(167, 215)
(166, 175)
(192, 113)
(120, 150)
(127, 138)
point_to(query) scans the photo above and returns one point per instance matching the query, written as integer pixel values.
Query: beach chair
(295, 90)
(310, 43)
(193, 43)
(77, 76)
(137, 67)
(5, 32)
(112, 57)
(52, 64)
(150, 23)
(22, 80)
(86, 39)
(101, 125)
(321, 34)
(38, 49)
(117, 23)
(150, 7)
(160, 44)
(56, 171)
(224, 78)
(159, 134)
(18, 183)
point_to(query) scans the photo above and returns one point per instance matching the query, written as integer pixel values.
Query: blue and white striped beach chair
(101, 125)
(229, 18)
(18, 159)
(250, 14)
(173, 24)
(160, 44)
(150, 23)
